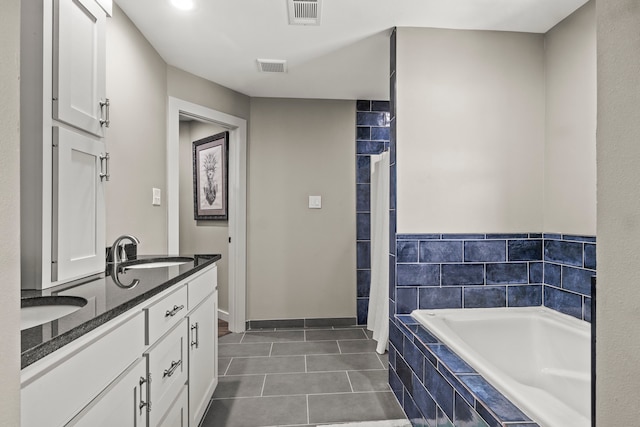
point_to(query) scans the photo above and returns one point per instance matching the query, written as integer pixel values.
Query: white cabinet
(78, 225)
(177, 415)
(203, 375)
(79, 65)
(127, 393)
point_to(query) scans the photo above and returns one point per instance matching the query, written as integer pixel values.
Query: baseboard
(223, 315)
(302, 323)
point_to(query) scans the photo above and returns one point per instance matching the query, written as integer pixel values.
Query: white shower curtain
(378, 317)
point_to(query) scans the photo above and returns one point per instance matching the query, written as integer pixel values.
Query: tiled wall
(372, 137)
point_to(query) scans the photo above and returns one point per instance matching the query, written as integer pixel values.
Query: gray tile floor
(300, 377)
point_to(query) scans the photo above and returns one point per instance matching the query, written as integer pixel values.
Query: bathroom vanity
(141, 352)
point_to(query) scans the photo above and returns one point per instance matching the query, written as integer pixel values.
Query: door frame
(237, 196)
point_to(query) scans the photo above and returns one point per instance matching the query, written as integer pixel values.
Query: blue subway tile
(392, 231)
(362, 306)
(395, 384)
(575, 238)
(424, 335)
(380, 133)
(488, 417)
(395, 336)
(525, 250)
(392, 141)
(391, 352)
(363, 133)
(404, 371)
(443, 421)
(507, 273)
(407, 300)
(586, 309)
(485, 297)
(432, 298)
(524, 296)
(363, 169)
(535, 235)
(466, 415)
(363, 226)
(418, 275)
(412, 411)
(462, 274)
(562, 301)
(495, 401)
(552, 236)
(363, 197)
(392, 276)
(440, 251)
(590, 256)
(552, 274)
(369, 147)
(577, 280)
(508, 236)
(372, 119)
(459, 236)
(452, 360)
(424, 402)
(485, 251)
(407, 251)
(413, 357)
(428, 355)
(457, 384)
(392, 186)
(380, 106)
(568, 253)
(363, 254)
(439, 388)
(418, 237)
(363, 105)
(536, 272)
(407, 319)
(363, 278)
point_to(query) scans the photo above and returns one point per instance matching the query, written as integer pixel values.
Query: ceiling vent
(272, 65)
(304, 12)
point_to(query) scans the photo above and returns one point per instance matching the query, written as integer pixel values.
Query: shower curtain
(378, 316)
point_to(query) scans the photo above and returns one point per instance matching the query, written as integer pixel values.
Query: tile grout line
(264, 381)
(305, 364)
(271, 350)
(349, 379)
(339, 348)
(308, 411)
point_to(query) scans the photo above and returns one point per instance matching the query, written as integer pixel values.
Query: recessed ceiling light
(183, 4)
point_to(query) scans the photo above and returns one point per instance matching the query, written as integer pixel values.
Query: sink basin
(39, 310)
(155, 262)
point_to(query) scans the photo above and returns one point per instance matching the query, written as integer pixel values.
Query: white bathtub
(538, 358)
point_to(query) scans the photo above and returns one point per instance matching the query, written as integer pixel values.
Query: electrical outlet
(156, 197)
(315, 202)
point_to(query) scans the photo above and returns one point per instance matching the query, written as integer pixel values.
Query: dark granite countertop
(108, 296)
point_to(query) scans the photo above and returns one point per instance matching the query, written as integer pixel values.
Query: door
(177, 415)
(203, 357)
(78, 227)
(122, 403)
(79, 64)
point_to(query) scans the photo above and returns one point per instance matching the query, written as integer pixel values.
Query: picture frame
(211, 177)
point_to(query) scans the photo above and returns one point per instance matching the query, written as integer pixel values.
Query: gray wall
(470, 131)
(618, 150)
(301, 262)
(570, 137)
(10, 212)
(201, 237)
(136, 140)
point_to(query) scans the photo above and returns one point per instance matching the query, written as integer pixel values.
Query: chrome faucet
(118, 253)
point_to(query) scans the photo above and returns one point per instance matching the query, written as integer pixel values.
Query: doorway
(237, 128)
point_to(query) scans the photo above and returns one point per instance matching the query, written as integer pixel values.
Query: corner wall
(10, 212)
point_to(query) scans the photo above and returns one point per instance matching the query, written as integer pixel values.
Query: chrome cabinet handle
(105, 105)
(104, 171)
(174, 311)
(142, 404)
(172, 369)
(195, 327)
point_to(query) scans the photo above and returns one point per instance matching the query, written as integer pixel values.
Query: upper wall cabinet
(79, 61)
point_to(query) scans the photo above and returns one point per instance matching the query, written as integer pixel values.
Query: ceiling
(345, 57)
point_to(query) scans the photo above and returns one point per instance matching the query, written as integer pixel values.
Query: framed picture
(211, 177)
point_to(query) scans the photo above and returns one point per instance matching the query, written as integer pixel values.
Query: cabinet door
(78, 228)
(120, 403)
(177, 415)
(203, 357)
(79, 61)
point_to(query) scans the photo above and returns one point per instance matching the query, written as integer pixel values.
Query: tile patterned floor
(300, 377)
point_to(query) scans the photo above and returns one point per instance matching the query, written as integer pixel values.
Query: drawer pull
(142, 404)
(195, 328)
(172, 369)
(173, 312)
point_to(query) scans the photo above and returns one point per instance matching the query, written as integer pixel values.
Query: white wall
(201, 237)
(136, 140)
(10, 212)
(470, 131)
(570, 143)
(618, 150)
(301, 262)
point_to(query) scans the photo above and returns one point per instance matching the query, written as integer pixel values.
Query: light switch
(315, 202)
(156, 197)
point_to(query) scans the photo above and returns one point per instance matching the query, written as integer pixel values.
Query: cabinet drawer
(177, 415)
(164, 314)
(167, 364)
(202, 286)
